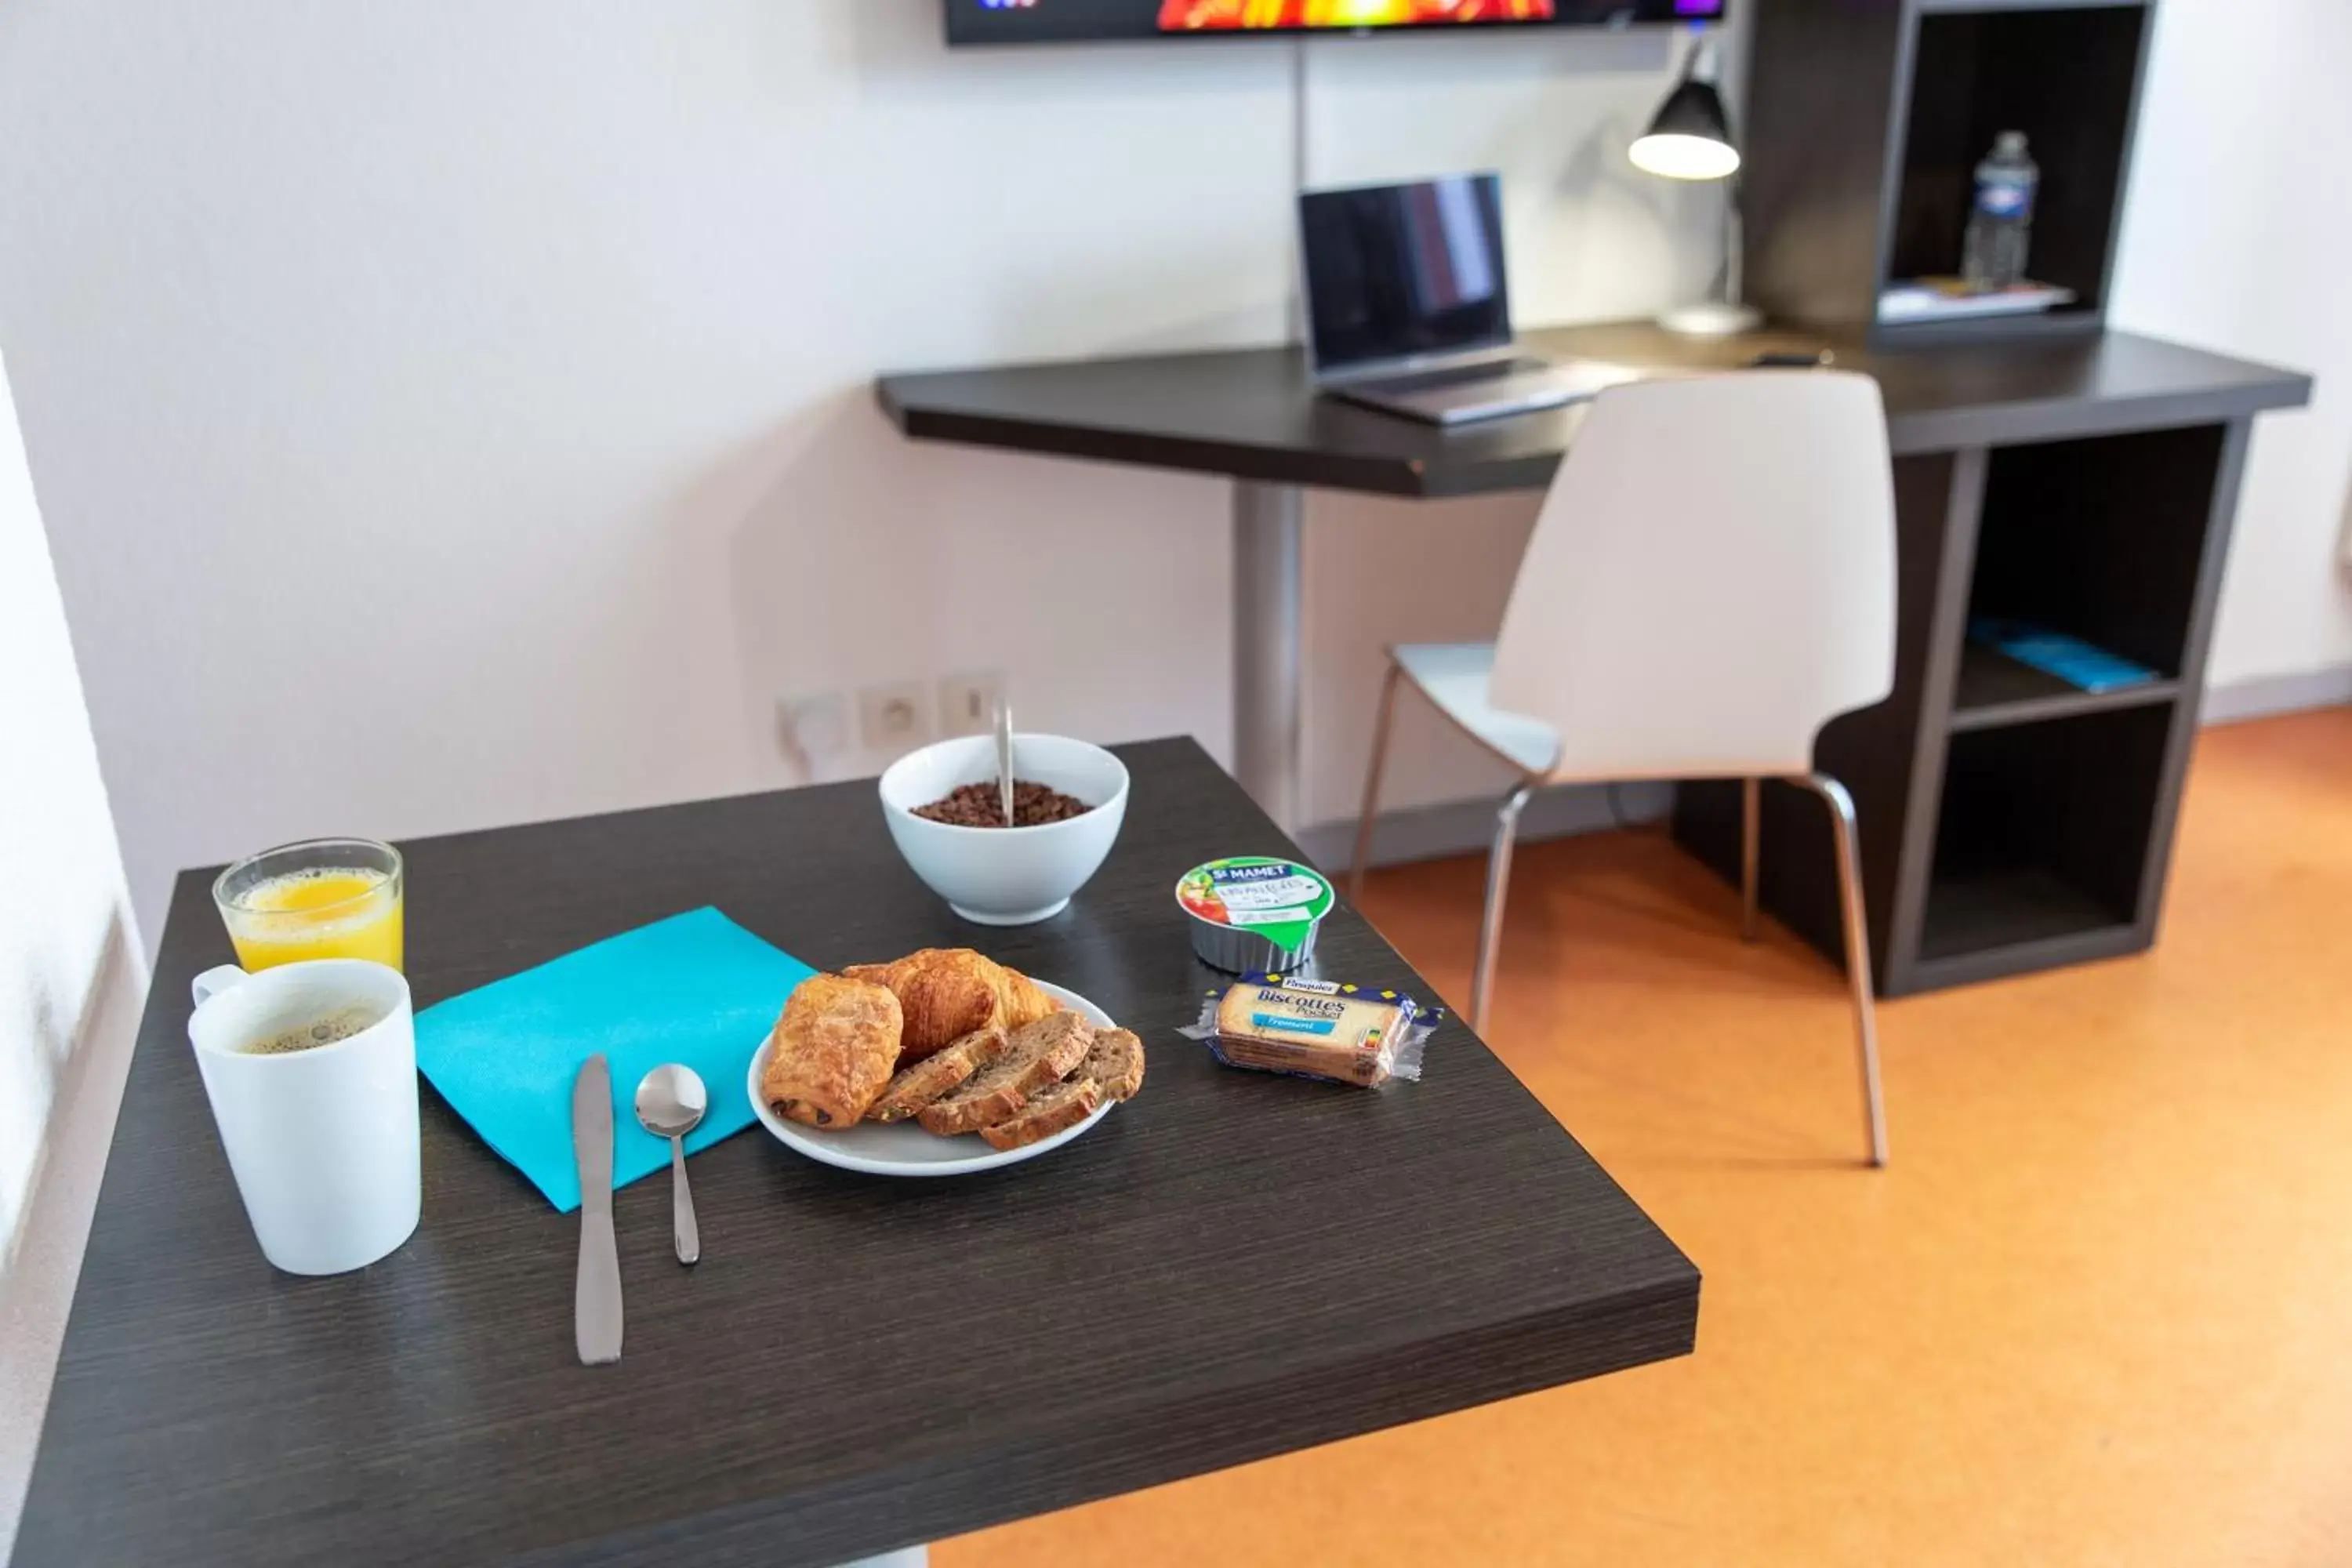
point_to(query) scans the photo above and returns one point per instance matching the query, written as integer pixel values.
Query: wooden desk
(1229, 1266)
(1252, 413)
(2142, 438)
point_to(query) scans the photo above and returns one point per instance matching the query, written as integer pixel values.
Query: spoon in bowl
(1004, 760)
(670, 1104)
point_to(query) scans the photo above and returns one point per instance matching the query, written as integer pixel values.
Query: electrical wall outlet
(813, 730)
(895, 718)
(968, 703)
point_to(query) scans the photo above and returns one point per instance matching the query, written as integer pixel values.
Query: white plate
(903, 1149)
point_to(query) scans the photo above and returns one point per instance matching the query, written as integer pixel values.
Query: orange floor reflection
(2093, 1314)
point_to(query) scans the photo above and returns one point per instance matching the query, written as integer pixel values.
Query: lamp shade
(1691, 137)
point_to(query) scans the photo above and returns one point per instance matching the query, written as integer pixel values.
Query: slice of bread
(1056, 1110)
(935, 1075)
(1115, 1062)
(1036, 1056)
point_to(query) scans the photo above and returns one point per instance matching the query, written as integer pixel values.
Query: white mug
(324, 1142)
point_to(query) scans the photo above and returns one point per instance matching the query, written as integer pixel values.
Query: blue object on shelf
(2077, 663)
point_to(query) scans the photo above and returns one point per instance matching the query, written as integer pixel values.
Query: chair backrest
(1711, 578)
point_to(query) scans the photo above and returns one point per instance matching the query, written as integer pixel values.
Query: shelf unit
(1866, 121)
(2009, 821)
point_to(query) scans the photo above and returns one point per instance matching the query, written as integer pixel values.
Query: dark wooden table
(1229, 1266)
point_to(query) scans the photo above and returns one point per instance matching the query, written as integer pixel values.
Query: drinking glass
(324, 898)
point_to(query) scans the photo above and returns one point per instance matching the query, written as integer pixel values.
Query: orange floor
(2099, 1311)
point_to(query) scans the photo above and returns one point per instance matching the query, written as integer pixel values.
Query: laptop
(1409, 310)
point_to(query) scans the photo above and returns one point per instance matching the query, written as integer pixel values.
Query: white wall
(61, 879)
(453, 413)
(2237, 236)
(449, 415)
(69, 969)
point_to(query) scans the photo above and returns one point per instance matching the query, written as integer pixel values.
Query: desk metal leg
(1269, 523)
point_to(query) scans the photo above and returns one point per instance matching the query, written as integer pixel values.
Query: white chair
(1710, 581)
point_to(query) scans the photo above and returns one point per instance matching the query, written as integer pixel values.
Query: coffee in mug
(342, 1024)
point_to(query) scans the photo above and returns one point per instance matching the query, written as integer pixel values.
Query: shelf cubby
(1865, 127)
(2043, 833)
(2064, 76)
(2099, 539)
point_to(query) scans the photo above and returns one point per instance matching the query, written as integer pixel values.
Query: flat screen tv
(1077, 21)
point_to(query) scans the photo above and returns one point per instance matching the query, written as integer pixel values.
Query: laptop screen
(1399, 272)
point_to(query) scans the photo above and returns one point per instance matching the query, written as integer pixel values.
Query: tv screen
(1074, 21)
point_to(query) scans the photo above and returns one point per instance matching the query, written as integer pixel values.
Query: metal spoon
(670, 1104)
(1004, 760)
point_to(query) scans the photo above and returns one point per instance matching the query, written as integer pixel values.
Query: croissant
(836, 1048)
(947, 993)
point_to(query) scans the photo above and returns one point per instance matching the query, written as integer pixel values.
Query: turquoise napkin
(696, 988)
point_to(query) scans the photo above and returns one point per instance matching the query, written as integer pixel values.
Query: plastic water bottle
(2001, 228)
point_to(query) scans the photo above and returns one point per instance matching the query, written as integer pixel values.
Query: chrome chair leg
(1499, 887)
(1857, 952)
(1359, 862)
(1751, 828)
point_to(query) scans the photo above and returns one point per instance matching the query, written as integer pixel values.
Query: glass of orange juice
(324, 898)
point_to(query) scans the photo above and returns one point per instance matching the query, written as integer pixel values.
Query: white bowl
(1006, 876)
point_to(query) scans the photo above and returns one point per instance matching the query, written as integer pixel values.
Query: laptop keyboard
(1463, 375)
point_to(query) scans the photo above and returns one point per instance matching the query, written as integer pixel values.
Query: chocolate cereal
(978, 805)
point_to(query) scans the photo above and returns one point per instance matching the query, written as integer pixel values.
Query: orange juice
(321, 911)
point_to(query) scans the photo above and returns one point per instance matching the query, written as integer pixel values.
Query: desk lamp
(1691, 138)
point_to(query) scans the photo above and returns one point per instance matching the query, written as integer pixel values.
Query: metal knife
(596, 1308)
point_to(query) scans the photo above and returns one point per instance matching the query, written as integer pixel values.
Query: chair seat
(1455, 677)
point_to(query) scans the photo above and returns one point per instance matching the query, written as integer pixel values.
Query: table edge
(1062, 1466)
